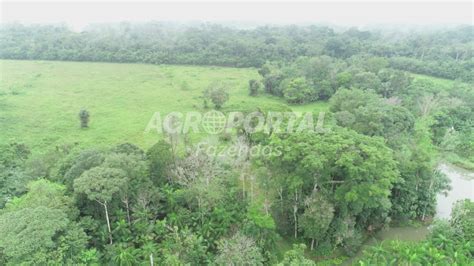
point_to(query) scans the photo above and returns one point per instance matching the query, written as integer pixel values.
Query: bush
(217, 94)
(254, 87)
(84, 117)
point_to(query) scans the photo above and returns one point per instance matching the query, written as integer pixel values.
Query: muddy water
(462, 187)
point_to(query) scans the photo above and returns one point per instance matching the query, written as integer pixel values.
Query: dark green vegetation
(84, 117)
(104, 193)
(449, 243)
(440, 53)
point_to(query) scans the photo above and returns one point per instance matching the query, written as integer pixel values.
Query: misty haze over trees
(397, 103)
(444, 53)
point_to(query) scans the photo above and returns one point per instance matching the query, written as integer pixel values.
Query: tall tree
(100, 184)
(317, 217)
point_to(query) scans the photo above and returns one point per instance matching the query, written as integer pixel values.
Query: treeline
(448, 110)
(310, 79)
(447, 68)
(442, 53)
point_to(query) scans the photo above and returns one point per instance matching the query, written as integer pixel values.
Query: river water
(462, 187)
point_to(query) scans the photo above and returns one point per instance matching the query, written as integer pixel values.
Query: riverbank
(458, 161)
(462, 187)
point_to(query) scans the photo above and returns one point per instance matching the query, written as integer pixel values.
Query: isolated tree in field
(84, 117)
(100, 184)
(217, 94)
(254, 87)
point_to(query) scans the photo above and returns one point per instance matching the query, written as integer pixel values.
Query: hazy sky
(79, 14)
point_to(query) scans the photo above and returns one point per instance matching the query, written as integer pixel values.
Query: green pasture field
(40, 100)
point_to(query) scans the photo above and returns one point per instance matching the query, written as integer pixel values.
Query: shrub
(217, 94)
(84, 117)
(254, 87)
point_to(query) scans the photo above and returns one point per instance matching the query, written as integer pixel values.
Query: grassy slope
(40, 100)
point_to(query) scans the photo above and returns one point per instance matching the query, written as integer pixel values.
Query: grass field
(40, 100)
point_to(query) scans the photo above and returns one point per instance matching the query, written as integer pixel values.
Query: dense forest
(373, 166)
(445, 53)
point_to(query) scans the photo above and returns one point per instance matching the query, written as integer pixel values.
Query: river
(462, 187)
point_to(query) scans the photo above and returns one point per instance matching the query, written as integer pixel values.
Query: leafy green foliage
(77, 164)
(415, 197)
(159, 158)
(374, 163)
(238, 250)
(100, 183)
(462, 219)
(217, 94)
(38, 227)
(354, 173)
(254, 87)
(443, 52)
(28, 233)
(317, 217)
(184, 247)
(297, 91)
(296, 257)
(368, 114)
(13, 177)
